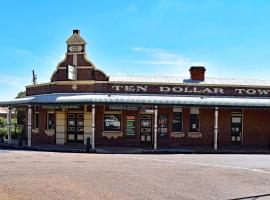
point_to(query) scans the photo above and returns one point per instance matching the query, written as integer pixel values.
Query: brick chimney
(197, 73)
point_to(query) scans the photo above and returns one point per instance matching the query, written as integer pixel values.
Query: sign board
(130, 125)
(71, 72)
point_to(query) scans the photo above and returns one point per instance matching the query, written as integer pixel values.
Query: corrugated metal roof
(179, 79)
(67, 98)
(3, 110)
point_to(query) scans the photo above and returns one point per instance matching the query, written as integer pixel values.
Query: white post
(9, 124)
(216, 128)
(155, 129)
(29, 127)
(93, 127)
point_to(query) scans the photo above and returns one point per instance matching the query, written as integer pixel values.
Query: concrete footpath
(141, 150)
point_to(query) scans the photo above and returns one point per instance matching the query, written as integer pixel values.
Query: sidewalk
(75, 148)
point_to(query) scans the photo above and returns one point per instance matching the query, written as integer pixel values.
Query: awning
(154, 99)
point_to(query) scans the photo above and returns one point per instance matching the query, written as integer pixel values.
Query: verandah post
(216, 128)
(93, 127)
(29, 127)
(155, 128)
(9, 124)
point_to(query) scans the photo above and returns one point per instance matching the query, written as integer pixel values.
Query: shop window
(36, 118)
(194, 120)
(50, 121)
(177, 123)
(112, 122)
(163, 125)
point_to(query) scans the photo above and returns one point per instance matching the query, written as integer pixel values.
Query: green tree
(21, 94)
(2, 121)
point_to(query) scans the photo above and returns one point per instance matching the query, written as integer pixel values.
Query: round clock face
(75, 48)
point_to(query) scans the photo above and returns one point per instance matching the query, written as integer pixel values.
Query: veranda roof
(154, 99)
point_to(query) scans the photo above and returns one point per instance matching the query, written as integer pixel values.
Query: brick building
(82, 101)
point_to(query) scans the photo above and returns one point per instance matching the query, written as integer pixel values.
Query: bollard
(19, 141)
(88, 142)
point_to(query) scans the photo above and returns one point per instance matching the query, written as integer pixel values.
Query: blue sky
(154, 37)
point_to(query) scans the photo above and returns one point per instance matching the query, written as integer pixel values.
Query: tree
(21, 94)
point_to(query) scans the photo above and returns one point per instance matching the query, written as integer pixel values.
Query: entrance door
(146, 128)
(75, 124)
(236, 131)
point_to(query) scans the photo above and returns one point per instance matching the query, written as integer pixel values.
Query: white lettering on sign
(192, 90)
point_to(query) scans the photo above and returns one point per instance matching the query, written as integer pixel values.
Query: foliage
(3, 122)
(21, 94)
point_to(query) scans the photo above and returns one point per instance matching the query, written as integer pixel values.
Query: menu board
(130, 125)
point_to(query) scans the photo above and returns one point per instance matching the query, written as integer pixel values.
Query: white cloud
(13, 81)
(131, 7)
(167, 61)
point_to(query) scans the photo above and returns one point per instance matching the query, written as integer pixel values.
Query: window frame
(47, 124)
(194, 111)
(36, 113)
(177, 111)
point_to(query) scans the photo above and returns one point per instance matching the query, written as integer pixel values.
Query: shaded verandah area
(155, 100)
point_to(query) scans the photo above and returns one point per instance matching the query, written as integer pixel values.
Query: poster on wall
(163, 125)
(130, 125)
(112, 122)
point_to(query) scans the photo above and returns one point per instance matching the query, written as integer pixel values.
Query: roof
(3, 110)
(77, 98)
(185, 80)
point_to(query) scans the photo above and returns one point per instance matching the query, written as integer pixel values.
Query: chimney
(197, 73)
(76, 31)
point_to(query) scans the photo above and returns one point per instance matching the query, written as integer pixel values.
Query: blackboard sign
(130, 125)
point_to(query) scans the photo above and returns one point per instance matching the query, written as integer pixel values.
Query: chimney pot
(197, 73)
(76, 31)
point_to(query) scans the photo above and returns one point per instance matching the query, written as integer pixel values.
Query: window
(36, 118)
(163, 124)
(112, 122)
(194, 121)
(50, 121)
(177, 123)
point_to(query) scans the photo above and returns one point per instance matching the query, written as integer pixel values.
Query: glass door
(75, 127)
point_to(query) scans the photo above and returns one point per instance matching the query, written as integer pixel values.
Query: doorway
(146, 128)
(75, 127)
(236, 129)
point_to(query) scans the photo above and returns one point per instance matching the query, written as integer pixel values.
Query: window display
(112, 122)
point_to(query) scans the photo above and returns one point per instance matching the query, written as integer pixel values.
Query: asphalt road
(45, 175)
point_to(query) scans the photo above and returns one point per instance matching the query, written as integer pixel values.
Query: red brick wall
(41, 137)
(256, 127)
(224, 127)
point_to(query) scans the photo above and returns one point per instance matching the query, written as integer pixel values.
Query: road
(47, 175)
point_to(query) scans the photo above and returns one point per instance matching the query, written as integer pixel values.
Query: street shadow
(251, 197)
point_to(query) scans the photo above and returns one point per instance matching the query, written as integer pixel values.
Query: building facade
(83, 102)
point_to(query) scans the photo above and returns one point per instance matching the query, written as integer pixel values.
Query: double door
(75, 127)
